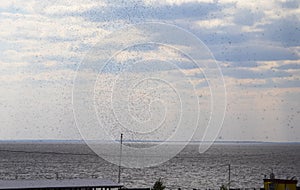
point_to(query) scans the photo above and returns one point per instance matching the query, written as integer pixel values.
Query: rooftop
(284, 181)
(65, 183)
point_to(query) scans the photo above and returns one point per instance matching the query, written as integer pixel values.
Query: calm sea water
(188, 170)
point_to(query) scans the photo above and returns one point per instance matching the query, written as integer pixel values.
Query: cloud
(290, 66)
(285, 30)
(176, 2)
(248, 64)
(213, 23)
(254, 52)
(287, 82)
(260, 74)
(138, 11)
(290, 4)
(247, 17)
(42, 43)
(18, 6)
(66, 6)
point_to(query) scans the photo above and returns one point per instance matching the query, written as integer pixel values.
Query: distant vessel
(280, 184)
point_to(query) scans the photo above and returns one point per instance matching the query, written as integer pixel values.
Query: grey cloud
(290, 4)
(245, 64)
(136, 11)
(253, 53)
(293, 66)
(251, 74)
(284, 30)
(289, 83)
(270, 83)
(247, 17)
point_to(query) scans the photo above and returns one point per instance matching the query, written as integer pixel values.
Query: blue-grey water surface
(188, 170)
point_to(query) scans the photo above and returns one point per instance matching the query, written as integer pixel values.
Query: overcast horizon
(141, 141)
(256, 44)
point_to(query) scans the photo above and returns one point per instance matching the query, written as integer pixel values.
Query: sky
(256, 44)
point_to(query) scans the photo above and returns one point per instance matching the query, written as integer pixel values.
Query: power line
(38, 152)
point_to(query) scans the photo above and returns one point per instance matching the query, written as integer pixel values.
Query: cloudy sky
(255, 43)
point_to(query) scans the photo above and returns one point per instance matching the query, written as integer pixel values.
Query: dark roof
(284, 181)
(65, 183)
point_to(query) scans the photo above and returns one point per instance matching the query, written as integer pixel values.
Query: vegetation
(158, 185)
(223, 187)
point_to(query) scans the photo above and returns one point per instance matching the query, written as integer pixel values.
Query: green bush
(158, 185)
(223, 187)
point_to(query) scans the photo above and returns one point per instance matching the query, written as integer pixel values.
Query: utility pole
(228, 176)
(120, 161)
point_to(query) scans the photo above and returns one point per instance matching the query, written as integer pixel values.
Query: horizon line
(146, 141)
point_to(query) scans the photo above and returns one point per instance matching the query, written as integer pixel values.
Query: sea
(249, 163)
